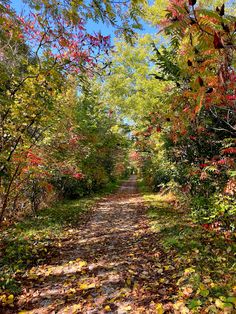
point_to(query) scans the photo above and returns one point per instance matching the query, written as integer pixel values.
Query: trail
(109, 265)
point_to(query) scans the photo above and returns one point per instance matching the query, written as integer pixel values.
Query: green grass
(204, 260)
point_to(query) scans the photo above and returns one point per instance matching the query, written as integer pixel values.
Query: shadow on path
(110, 265)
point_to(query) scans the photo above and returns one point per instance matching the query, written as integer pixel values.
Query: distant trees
(186, 123)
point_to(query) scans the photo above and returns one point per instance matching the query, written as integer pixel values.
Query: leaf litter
(119, 263)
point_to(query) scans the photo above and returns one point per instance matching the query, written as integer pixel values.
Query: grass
(204, 260)
(36, 239)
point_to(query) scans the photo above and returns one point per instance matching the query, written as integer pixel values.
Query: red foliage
(231, 97)
(78, 176)
(34, 159)
(70, 45)
(229, 150)
(134, 156)
(217, 42)
(186, 109)
(74, 139)
(203, 165)
(221, 162)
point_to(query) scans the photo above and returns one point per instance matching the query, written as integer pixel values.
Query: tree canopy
(79, 112)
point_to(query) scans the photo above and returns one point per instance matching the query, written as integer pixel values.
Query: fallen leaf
(107, 308)
(159, 308)
(85, 286)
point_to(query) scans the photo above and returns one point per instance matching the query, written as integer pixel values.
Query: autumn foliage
(47, 56)
(198, 131)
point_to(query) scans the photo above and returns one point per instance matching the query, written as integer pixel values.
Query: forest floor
(133, 253)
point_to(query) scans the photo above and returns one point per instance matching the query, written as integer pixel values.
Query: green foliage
(130, 88)
(56, 133)
(124, 17)
(186, 134)
(216, 208)
(165, 62)
(194, 249)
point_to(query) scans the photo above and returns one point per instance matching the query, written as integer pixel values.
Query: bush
(218, 208)
(160, 178)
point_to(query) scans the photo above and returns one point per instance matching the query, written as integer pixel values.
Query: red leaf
(186, 109)
(230, 150)
(221, 162)
(231, 97)
(203, 165)
(200, 81)
(217, 42)
(77, 176)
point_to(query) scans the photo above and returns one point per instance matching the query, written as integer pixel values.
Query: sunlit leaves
(131, 88)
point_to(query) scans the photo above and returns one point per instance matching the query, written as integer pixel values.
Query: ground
(128, 256)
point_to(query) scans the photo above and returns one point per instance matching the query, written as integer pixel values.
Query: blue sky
(91, 25)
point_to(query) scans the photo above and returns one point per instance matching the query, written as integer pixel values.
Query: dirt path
(109, 265)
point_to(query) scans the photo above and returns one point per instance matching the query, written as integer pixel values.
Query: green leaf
(222, 305)
(194, 303)
(231, 300)
(204, 293)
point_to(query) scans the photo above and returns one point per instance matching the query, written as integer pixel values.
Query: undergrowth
(204, 260)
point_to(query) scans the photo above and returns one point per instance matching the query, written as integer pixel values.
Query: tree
(39, 52)
(131, 87)
(122, 15)
(181, 93)
(200, 132)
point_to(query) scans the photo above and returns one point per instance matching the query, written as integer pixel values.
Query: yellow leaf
(128, 308)
(3, 298)
(82, 264)
(159, 308)
(75, 308)
(178, 305)
(10, 299)
(188, 271)
(219, 304)
(128, 282)
(107, 308)
(85, 286)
